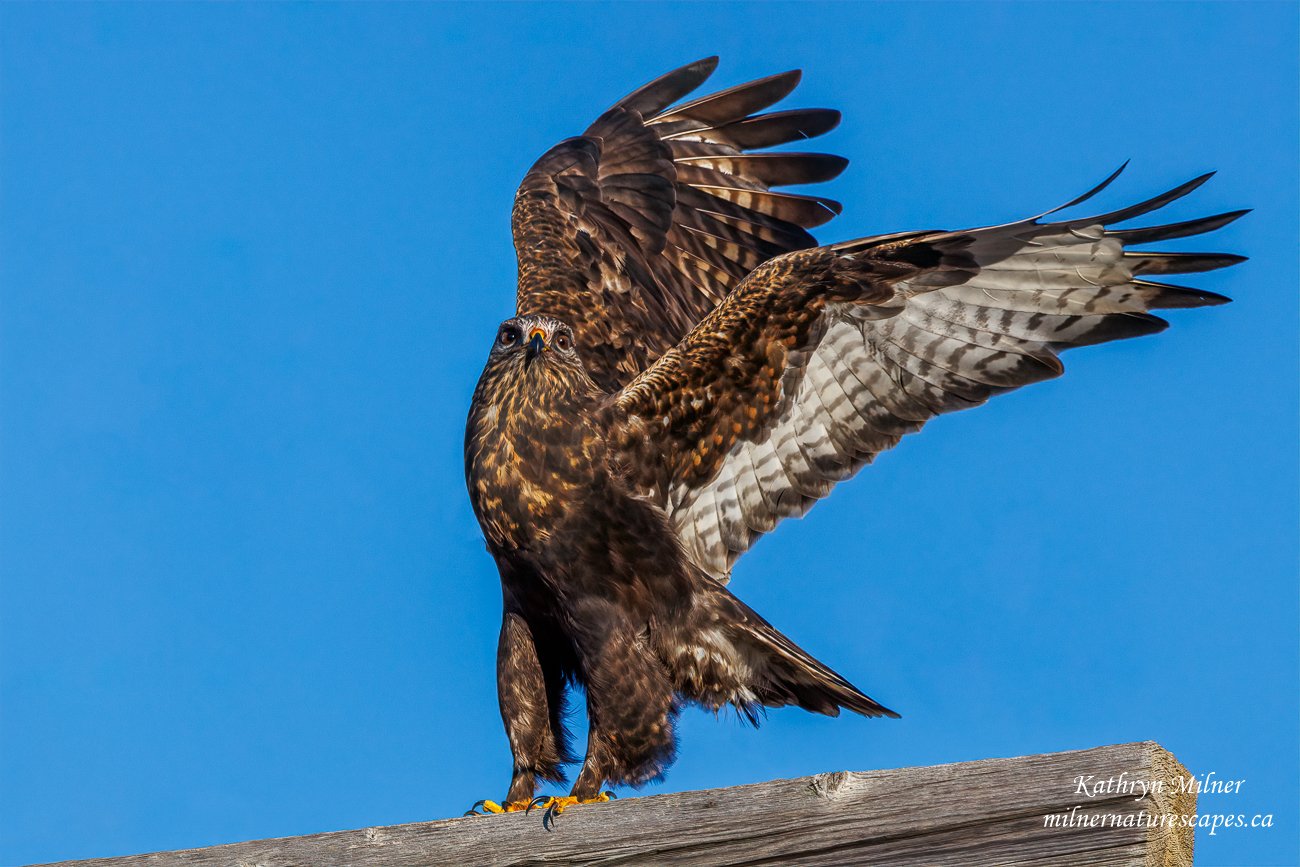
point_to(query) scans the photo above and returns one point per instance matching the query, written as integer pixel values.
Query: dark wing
(637, 228)
(824, 358)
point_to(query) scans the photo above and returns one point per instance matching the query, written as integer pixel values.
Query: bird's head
(529, 340)
(540, 352)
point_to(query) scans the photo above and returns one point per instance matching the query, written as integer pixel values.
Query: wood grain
(988, 812)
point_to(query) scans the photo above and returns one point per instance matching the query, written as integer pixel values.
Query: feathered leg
(630, 705)
(531, 693)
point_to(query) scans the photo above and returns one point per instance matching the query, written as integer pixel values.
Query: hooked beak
(535, 346)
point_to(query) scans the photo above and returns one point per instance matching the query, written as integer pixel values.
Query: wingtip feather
(655, 95)
(1078, 200)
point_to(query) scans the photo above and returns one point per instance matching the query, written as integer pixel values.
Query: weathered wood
(990, 812)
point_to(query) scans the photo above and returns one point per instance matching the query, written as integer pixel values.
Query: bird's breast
(527, 473)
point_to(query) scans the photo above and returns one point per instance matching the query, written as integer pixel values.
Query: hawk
(687, 367)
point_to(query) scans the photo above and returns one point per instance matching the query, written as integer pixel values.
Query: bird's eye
(563, 341)
(509, 336)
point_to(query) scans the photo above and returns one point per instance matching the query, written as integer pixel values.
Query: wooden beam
(990, 812)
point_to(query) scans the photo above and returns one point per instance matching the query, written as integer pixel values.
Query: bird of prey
(687, 366)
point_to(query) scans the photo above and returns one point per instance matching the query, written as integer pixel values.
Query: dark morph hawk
(687, 367)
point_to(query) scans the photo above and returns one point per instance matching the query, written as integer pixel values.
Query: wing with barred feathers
(823, 358)
(634, 230)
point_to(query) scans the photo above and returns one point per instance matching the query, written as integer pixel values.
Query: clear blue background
(252, 260)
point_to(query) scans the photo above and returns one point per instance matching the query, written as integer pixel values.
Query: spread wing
(824, 358)
(634, 230)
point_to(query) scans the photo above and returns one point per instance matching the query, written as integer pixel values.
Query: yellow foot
(554, 806)
(493, 807)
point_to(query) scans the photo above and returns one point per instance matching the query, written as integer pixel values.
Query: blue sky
(251, 262)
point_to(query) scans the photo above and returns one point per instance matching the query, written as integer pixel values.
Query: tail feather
(776, 672)
(790, 676)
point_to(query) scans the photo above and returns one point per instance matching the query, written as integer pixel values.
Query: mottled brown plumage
(686, 369)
